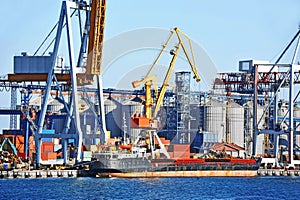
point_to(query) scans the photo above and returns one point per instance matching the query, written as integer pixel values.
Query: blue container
(5, 165)
(73, 154)
(48, 131)
(71, 141)
(46, 139)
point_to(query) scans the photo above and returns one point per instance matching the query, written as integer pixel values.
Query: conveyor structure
(269, 84)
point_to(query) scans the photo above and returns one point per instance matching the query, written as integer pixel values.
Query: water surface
(154, 188)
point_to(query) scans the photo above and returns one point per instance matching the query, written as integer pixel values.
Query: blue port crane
(81, 73)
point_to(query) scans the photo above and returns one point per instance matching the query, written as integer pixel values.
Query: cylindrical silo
(36, 102)
(129, 108)
(297, 116)
(215, 118)
(248, 126)
(55, 105)
(196, 116)
(235, 119)
(113, 117)
(88, 120)
(283, 112)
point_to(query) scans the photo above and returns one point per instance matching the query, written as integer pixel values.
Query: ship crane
(149, 78)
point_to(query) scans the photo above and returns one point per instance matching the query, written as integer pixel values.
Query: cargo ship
(139, 164)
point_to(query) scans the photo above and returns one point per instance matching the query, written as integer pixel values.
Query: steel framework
(268, 84)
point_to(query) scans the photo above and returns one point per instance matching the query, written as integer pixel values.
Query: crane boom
(147, 79)
(159, 55)
(96, 37)
(191, 62)
(163, 89)
(171, 67)
(94, 62)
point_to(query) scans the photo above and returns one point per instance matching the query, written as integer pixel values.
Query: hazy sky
(229, 30)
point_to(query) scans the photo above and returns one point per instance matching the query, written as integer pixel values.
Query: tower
(183, 96)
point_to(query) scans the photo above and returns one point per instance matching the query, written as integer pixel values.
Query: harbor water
(265, 187)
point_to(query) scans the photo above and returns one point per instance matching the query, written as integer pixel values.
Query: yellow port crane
(182, 37)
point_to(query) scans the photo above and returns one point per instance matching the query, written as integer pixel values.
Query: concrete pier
(78, 173)
(39, 174)
(278, 172)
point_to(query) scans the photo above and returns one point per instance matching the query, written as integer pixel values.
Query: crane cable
(49, 34)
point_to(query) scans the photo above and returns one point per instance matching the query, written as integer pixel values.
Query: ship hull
(143, 168)
(174, 174)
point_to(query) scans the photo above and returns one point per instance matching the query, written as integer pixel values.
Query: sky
(228, 31)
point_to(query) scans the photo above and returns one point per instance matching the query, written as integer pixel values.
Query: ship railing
(115, 154)
(194, 167)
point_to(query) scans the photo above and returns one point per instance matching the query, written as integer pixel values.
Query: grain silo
(88, 117)
(214, 118)
(283, 110)
(56, 106)
(196, 113)
(129, 108)
(36, 102)
(235, 123)
(248, 126)
(297, 116)
(113, 117)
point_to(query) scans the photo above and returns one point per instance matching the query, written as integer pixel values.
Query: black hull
(103, 168)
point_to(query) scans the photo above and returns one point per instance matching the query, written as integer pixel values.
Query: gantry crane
(94, 61)
(93, 34)
(148, 78)
(96, 37)
(94, 57)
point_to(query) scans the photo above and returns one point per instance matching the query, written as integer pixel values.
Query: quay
(39, 174)
(277, 172)
(79, 173)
